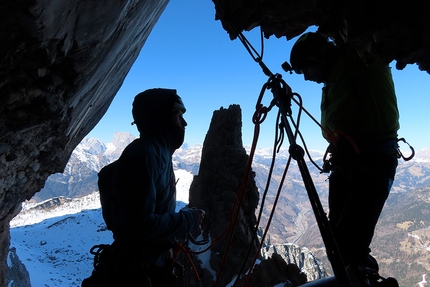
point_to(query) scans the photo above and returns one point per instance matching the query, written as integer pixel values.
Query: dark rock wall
(377, 27)
(61, 64)
(17, 274)
(214, 189)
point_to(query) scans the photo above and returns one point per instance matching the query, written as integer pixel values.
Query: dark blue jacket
(144, 198)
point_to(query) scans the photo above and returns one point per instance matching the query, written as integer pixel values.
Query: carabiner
(411, 147)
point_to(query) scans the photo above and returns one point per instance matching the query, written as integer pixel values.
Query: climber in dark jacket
(142, 206)
(360, 119)
(145, 192)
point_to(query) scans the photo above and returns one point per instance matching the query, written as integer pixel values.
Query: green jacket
(359, 100)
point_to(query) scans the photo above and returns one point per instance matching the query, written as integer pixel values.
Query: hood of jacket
(152, 112)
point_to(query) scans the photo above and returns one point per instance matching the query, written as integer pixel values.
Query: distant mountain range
(399, 240)
(80, 175)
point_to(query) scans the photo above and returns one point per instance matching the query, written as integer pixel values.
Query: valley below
(402, 240)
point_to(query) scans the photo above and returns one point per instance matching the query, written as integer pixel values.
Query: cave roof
(396, 32)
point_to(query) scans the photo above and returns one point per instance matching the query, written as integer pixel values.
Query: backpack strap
(106, 183)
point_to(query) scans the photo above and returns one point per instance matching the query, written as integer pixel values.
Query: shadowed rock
(214, 189)
(62, 63)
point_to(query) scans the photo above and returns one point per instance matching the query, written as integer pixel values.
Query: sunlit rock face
(61, 64)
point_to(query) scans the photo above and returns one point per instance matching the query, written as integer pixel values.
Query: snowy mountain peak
(122, 139)
(92, 145)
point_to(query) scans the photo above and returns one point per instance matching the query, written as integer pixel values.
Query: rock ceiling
(61, 64)
(396, 31)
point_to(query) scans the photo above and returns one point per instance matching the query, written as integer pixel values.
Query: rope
(269, 221)
(177, 249)
(258, 117)
(278, 142)
(241, 195)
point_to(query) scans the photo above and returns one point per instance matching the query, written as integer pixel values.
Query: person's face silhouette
(178, 128)
(314, 72)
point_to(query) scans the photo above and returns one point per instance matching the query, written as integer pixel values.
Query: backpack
(114, 266)
(106, 183)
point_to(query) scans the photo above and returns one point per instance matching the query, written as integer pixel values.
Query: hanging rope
(242, 190)
(277, 143)
(332, 136)
(258, 118)
(269, 221)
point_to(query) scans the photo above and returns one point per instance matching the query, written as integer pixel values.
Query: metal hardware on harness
(411, 147)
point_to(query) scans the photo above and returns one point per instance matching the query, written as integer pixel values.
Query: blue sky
(188, 50)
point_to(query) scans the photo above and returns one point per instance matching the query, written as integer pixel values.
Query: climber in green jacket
(360, 119)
